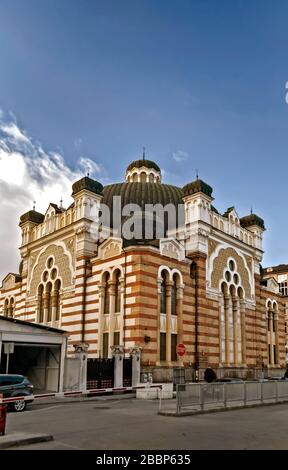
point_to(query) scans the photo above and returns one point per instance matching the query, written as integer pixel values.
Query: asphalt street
(134, 424)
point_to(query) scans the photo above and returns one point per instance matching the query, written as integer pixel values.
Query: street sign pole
(181, 351)
(8, 349)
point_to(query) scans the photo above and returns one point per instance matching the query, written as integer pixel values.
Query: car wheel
(19, 405)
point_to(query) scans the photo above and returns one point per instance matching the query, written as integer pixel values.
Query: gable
(10, 280)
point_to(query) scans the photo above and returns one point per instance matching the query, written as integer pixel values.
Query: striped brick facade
(214, 302)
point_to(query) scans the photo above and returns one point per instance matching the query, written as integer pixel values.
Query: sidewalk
(14, 439)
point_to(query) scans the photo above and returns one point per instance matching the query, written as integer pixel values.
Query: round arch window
(228, 276)
(231, 265)
(236, 279)
(54, 274)
(50, 262)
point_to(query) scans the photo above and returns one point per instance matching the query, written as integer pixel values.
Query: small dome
(89, 184)
(197, 186)
(32, 216)
(143, 163)
(252, 219)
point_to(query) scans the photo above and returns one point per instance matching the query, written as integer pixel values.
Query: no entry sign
(181, 350)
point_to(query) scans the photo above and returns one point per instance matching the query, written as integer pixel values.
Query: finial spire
(197, 173)
(143, 157)
(251, 210)
(34, 205)
(88, 174)
(61, 203)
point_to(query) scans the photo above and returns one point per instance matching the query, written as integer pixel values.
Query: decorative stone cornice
(117, 350)
(135, 352)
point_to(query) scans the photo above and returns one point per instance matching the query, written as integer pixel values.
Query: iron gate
(100, 373)
(127, 372)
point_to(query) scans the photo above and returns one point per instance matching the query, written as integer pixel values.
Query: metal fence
(203, 396)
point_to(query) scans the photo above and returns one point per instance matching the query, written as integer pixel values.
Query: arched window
(106, 293)
(143, 177)
(11, 307)
(272, 333)
(151, 178)
(269, 312)
(57, 289)
(6, 306)
(40, 304)
(174, 295)
(163, 292)
(117, 292)
(49, 301)
(135, 178)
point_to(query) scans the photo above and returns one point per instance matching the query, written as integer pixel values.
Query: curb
(20, 439)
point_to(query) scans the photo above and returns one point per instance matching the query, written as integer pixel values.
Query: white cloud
(28, 173)
(12, 130)
(180, 156)
(89, 166)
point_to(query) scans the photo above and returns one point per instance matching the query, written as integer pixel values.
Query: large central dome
(142, 193)
(143, 186)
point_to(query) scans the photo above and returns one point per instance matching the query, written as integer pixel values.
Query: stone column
(243, 332)
(276, 333)
(111, 316)
(81, 352)
(168, 322)
(54, 298)
(159, 281)
(227, 302)
(271, 338)
(39, 301)
(235, 308)
(118, 354)
(179, 311)
(122, 310)
(135, 353)
(46, 305)
(101, 319)
(221, 331)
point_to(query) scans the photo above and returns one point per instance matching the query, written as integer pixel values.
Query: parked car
(256, 380)
(278, 378)
(230, 380)
(12, 385)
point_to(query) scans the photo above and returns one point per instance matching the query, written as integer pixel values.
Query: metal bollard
(225, 395)
(201, 397)
(262, 392)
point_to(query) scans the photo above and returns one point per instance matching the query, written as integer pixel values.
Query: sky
(84, 85)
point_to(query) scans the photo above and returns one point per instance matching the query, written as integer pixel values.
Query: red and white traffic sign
(181, 349)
